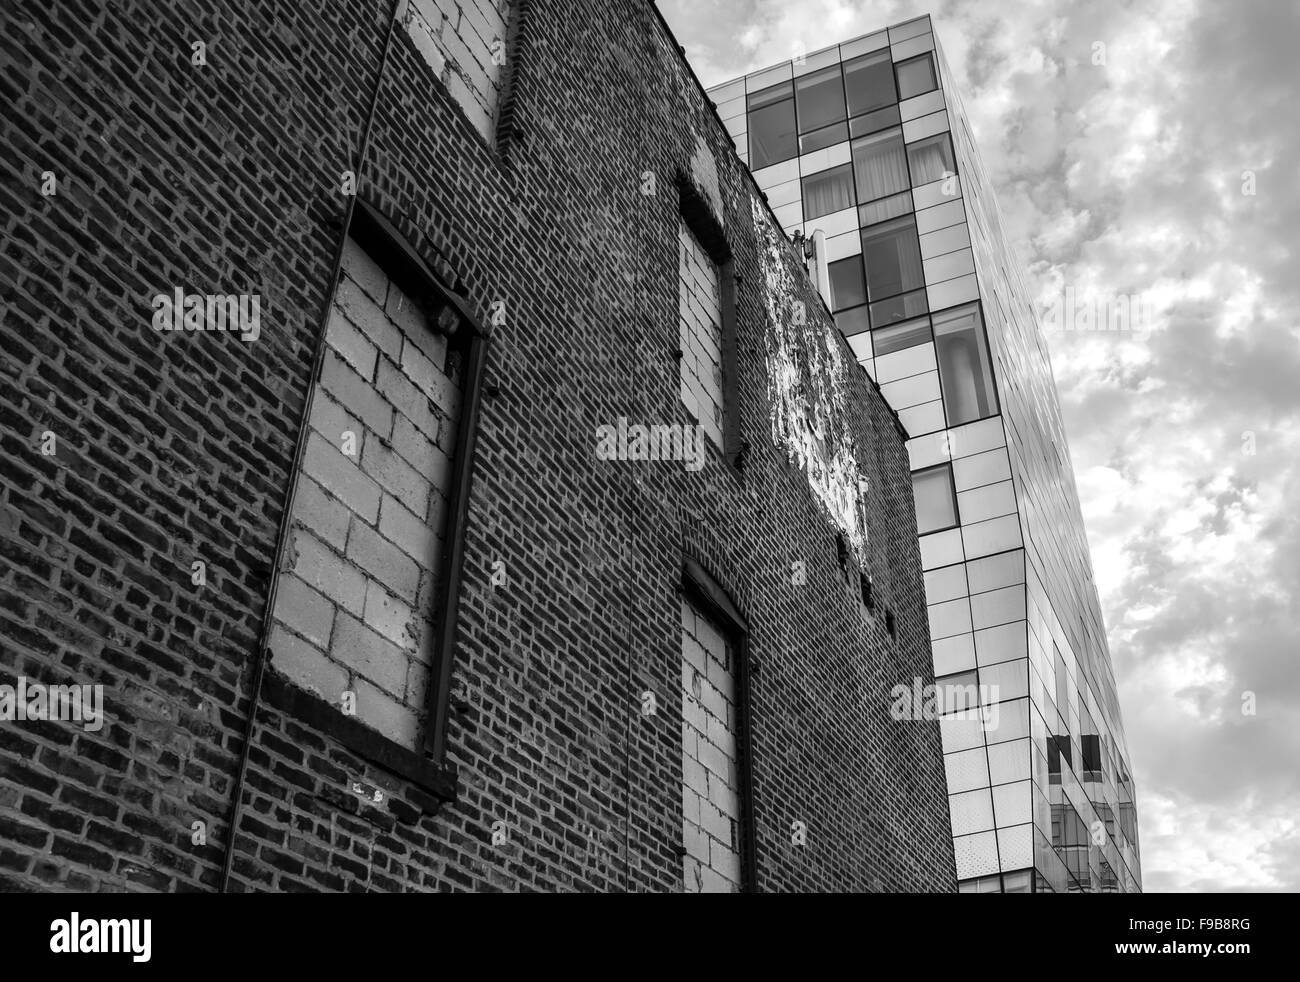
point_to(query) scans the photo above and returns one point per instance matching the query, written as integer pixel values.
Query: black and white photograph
(608, 447)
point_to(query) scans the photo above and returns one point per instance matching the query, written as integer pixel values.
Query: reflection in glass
(936, 501)
(848, 288)
(820, 98)
(771, 128)
(893, 258)
(869, 82)
(916, 76)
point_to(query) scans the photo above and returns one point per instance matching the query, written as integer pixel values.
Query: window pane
(881, 119)
(884, 209)
(771, 135)
(820, 97)
(775, 93)
(852, 322)
(869, 82)
(930, 158)
(1019, 882)
(880, 165)
(916, 76)
(848, 289)
(964, 367)
(893, 258)
(957, 693)
(936, 504)
(828, 191)
(898, 308)
(900, 336)
(827, 136)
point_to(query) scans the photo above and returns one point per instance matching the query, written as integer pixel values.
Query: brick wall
(177, 447)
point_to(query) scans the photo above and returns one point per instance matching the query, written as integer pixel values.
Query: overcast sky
(1120, 179)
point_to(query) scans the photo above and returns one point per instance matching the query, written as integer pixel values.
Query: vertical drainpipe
(286, 516)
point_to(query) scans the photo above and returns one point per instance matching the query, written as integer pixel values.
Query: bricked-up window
(464, 41)
(715, 771)
(700, 324)
(362, 602)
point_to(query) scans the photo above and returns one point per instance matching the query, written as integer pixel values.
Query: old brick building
(563, 545)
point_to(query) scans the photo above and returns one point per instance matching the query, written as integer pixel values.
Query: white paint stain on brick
(808, 386)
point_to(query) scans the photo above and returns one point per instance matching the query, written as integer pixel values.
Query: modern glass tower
(863, 148)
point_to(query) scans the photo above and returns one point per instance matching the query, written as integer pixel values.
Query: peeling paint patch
(807, 387)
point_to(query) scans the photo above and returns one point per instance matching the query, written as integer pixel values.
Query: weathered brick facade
(175, 448)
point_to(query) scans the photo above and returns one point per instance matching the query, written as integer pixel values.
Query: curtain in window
(827, 192)
(880, 164)
(930, 159)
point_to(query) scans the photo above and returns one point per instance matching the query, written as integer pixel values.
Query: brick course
(177, 447)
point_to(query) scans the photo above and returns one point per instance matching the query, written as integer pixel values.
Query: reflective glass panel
(916, 76)
(869, 82)
(820, 98)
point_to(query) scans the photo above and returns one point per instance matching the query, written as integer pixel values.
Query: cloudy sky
(1122, 179)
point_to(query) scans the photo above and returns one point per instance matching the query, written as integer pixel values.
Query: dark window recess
(848, 288)
(819, 97)
(772, 137)
(869, 82)
(916, 76)
(1091, 748)
(868, 595)
(890, 625)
